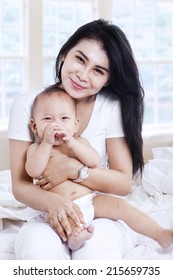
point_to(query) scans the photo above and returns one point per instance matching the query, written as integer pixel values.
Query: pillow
(7, 198)
(158, 173)
(10, 208)
(5, 180)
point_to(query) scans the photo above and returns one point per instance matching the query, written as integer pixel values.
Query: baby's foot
(166, 238)
(79, 236)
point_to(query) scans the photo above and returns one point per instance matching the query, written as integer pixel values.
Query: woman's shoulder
(20, 114)
(107, 100)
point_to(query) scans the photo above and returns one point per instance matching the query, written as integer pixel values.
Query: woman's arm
(116, 180)
(33, 196)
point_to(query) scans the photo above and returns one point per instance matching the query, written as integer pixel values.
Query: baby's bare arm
(37, 159)
(85, 153)
(38, 154)
(80, 147)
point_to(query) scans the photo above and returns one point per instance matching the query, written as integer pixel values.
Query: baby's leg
(79, 236)
(116, 208)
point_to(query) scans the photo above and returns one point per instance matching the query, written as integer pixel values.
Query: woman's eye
(99, 71)
(79, 58)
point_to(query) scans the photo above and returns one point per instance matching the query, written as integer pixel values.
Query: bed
(153, 193)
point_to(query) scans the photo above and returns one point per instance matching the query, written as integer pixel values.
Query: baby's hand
(50, 133)
(65, 136)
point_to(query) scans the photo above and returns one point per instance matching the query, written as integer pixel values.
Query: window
(60, 20)
(12, 57)
(32, 32)
(148, 25)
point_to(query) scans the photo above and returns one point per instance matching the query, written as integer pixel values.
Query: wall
(4, 151)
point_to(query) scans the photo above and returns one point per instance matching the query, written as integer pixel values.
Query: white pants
(38, 240)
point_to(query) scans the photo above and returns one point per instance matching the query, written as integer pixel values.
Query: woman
(96, 67)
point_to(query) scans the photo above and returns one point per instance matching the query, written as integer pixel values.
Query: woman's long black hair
(124, 81)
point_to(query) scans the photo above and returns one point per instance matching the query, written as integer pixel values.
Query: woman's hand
(60, 168)
(60, 211)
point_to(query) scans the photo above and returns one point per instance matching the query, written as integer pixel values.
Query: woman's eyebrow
(83, 55)
(101, 67)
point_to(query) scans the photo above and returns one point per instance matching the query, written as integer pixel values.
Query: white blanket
(10, 208)
(152, 194)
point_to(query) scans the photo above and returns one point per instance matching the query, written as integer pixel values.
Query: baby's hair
(48, 91)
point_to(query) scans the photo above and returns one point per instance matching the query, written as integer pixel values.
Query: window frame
(34, 59)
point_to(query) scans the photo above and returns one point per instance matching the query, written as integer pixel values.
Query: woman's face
(85, 69)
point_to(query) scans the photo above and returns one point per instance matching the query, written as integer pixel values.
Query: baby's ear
(33, 126)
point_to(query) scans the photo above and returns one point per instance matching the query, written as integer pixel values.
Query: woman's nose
(83, 75)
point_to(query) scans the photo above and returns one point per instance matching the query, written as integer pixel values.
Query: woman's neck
(86, 100)
(84, 111)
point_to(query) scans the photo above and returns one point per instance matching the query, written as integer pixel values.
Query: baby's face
(55, 109)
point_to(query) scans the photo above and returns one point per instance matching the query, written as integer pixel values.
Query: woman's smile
(76, 85)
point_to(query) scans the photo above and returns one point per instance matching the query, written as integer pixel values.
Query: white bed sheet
(7, 238)
(162, 212)
(157, 204)
(147, 248)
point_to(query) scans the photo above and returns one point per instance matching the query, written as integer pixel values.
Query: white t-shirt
(105, 122)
